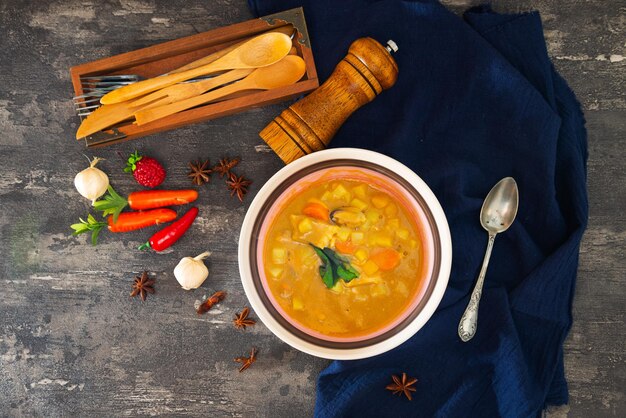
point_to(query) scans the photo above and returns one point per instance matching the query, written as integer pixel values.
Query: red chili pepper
(171, 233)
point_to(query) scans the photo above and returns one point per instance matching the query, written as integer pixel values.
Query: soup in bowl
(345, 253)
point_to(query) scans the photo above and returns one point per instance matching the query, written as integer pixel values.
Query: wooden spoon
(287, 30)
(283, 73)
(259, 51)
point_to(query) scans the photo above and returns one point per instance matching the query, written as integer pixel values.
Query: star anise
(398, 387)
(246, 361)
(225, 165)
(238, 185)
(212, 300)
(142, 286)
(200, 172)
(241, 319)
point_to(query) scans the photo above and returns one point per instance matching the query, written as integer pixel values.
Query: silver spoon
(496, 215)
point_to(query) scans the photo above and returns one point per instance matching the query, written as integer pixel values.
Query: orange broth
(372, 230)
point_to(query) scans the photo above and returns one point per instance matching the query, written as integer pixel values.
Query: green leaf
(326, 269)
(131, 164)
(328, 277)
(91, 224)
(320, 253)
(111, 204)
(94, 236)
(347, 273)
(334, 267)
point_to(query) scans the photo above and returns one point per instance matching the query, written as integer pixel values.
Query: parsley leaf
(334, 267)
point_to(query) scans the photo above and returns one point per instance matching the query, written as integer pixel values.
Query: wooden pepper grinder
(309, 124)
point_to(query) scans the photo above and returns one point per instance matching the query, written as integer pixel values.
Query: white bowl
(413, 319)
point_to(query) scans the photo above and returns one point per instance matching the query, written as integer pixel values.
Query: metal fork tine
(86, 102)
(90, 107)
(112, 77)
(108, 83)
(94, 87)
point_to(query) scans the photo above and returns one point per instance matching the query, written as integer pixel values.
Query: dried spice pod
(238, 185)
(210, 302)
(242, 321)
(247, 361)
(402, 386)
(200, 172)
(142, 286)
(225, 165)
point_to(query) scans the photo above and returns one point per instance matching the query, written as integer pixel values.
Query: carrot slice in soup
(345, 247)
(316, 210)
(386, 259)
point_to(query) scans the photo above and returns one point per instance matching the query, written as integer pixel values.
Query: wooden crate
(159, 59)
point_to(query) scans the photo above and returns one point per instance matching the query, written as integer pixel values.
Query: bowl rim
(441, 279)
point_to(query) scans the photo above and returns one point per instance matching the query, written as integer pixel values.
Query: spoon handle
(469, 320)
(149, 115)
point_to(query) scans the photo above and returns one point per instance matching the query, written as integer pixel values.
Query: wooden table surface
(72, 343)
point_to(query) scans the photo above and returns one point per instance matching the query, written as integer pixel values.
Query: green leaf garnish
(334, 267)
(90, 225)
(111, 204)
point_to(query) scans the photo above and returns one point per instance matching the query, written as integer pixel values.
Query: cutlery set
(263, 62)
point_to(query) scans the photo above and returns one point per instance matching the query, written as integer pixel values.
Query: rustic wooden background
(72, 343)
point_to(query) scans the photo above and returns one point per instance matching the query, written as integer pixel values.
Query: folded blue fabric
(477, 99)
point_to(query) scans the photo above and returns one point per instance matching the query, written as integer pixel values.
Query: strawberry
(147, 171)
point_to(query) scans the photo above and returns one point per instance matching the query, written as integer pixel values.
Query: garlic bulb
(92, 182)
(191, 271)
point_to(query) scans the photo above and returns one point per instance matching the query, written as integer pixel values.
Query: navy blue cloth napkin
(477, 99)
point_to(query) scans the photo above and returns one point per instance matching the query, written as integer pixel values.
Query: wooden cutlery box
(159, 59)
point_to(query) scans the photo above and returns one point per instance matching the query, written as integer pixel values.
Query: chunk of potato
(380, 200)
(297, 304)
(360, 191)
(341, 193)
(393, 223)
(279, 255)
(276, 271)
(391, 210)
(373, 215)
(402, 233)
(320, 235)
(343, 233)
(359, 204)
(338, 288)
(305, 226)
(361, 254)
(380, 239)
(357, 237)
(369, 268)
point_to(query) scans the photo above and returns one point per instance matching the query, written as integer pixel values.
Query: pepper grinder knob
(391, 46)
(309, 124)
